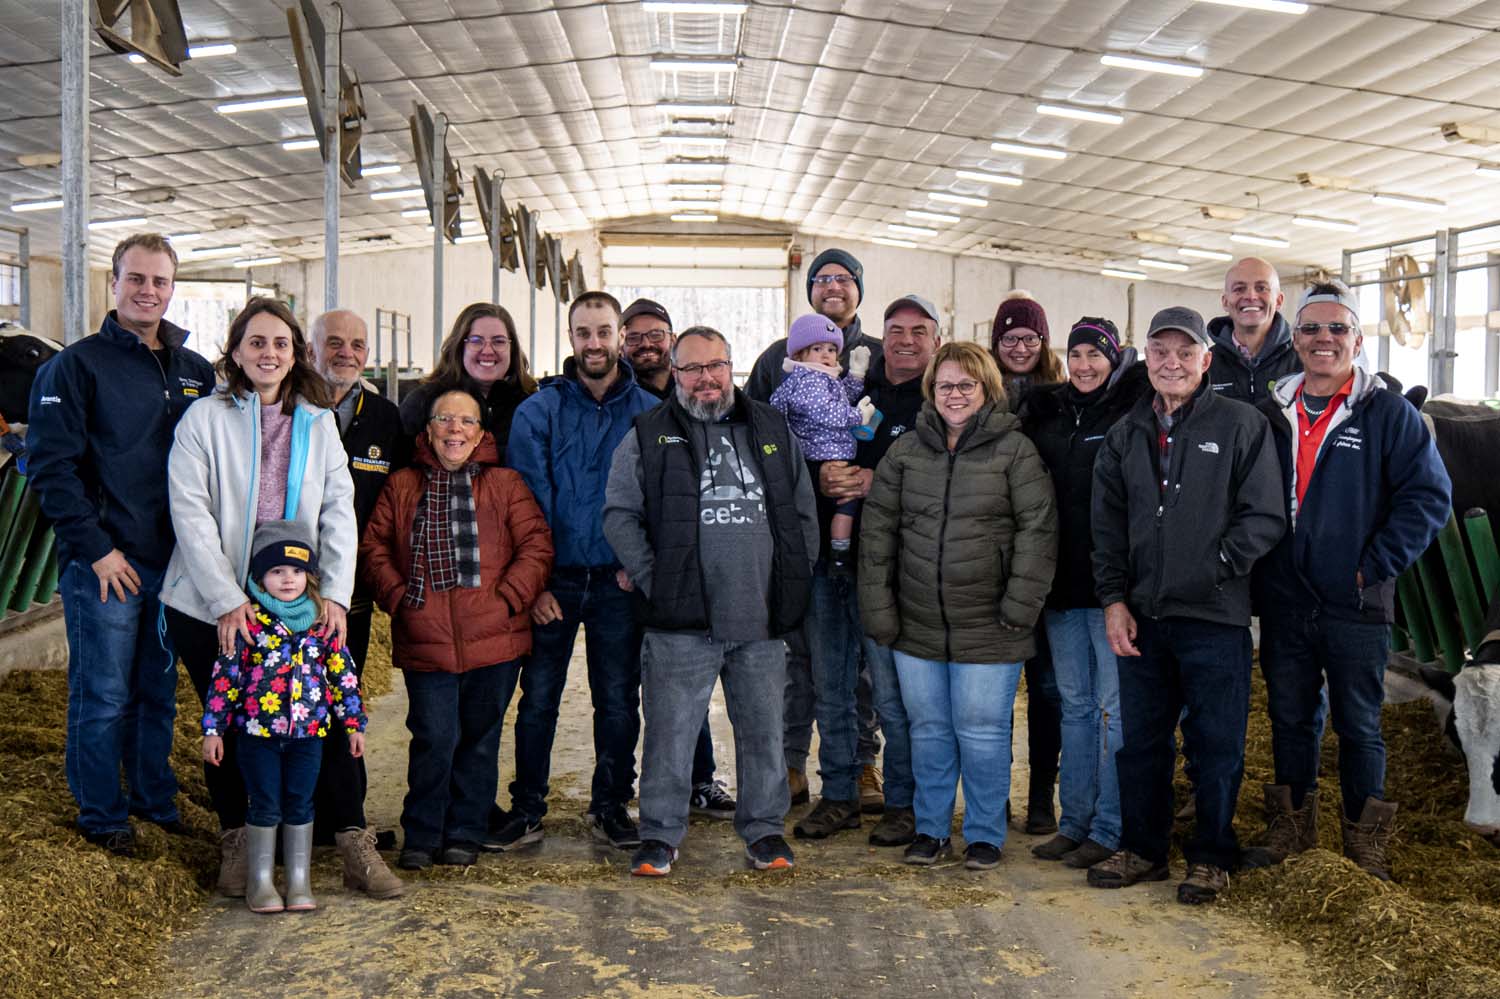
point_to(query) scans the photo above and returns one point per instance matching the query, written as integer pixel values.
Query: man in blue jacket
(1366, 494)
(561, 441)
(102, 416)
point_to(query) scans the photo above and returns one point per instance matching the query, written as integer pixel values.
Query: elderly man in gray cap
(1187, 495)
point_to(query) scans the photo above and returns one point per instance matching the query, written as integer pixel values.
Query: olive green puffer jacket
(957, 550)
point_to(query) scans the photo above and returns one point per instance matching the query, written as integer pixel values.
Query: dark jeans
(342, 781)
(592, 598)
(1043, 718)
(280, 775)
(122, 700)
(453, 764)
(835, 639)
(1206, 668)
(1297, 650)
(797, 705)
(703, 756)
(197, 645)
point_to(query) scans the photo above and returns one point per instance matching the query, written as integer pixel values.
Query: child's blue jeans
(280, 777)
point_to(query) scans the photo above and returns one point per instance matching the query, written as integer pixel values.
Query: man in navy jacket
(102, 417)
(1366, 493)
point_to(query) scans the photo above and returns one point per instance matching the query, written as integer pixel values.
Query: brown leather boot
(233, 862)
(1288, 830)
(364, 869)
(1366, 841)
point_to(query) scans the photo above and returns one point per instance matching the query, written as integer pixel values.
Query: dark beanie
(282, 542)
(844, 259)
(1100, 334)
(1018, 310)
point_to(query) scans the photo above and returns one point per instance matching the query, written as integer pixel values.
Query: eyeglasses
(446, 420)
(839, 279)
(962, 388)
(1334, 329)
(654, 337)
(494, 342)
(694, 370)
(1011, 339)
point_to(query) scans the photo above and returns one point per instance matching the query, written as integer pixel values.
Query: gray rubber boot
(296, 857)
(260, 865)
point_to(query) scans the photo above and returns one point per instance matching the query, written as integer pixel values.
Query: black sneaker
(840, 563)
(926, 851)
(770, 853)
(459, 855)
(712, 800)
(515, 832)
(613, 825)
(653, 859)
(120, 842)
(982, 856)
(414, 858)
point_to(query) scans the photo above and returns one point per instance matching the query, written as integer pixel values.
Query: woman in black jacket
(1067, 423)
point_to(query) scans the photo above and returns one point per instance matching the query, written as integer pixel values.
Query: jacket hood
(485, 454)
(170, 335)
(1284, 392)
(990, 422)
(1221, 329)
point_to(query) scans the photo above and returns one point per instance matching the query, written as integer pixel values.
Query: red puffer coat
(460, 629)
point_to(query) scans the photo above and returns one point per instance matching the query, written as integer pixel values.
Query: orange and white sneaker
(653, 859)
(770, 853)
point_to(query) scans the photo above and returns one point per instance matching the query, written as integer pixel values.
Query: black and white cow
(22, 352)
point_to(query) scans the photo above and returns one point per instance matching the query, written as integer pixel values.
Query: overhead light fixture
(1148, 236)
(1222, 213)
(1009, 180)
(380, 169)
(415, 213)
(1080, 114)
(680, 107)
(1152, 65)
(39, 159)
(215, 251)
(904, 244)
(1455, 132)
(297, 145)
(257, 261)
(41, 205)
(184, 237)
(694, 217)
(1257, 240)
(1036, 152)
(153, 195)
(1492, 169)
(475, 237)
(1325, 182)
(698, 163)
(404, 192)
(1202, 254)
(687, 185)
(261, 104)
(196, 52)
(118, 223)
(692, 7)
(1271, 6)
(694, 65)
(957, 199)
(1409, 201)
(932, 216)
(1161, 265)
(911, 230)
(1116, 272)
(692, 203)
(706, 141)
(1317, 222)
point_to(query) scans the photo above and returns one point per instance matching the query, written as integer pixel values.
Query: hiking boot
(414, 858)
(871, 793)
(982, 856)
(827, 817)
(897, 827)
(514, 832)
(1041, 820)
(364, 870)
(232, 861)
(1055, 848)
(712, 800)
(1288, 830)
(926, 851)
(653, 859)
(613, 825)
(1087, 855)
(1122, 869)
(770, 853)
(120, 842)
(796, 783)
(459, 855)
(1202, 884)
(1366, 841)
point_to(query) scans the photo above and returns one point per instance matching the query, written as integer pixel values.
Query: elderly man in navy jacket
(1366, 494)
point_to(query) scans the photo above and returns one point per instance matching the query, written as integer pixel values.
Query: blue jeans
(798, 705)
(960, 728)
(1297, 650)
(1204, 667)
(894, 725)
(588, 597)
(680, 670)
(834, 639)
(1088, 681)
(122, 701)
(280, 776)
(453, 765)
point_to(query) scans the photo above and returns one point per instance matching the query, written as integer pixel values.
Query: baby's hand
(356, 744)
(213, 749)
(859, 361)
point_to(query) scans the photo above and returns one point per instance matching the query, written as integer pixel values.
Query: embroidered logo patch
(1208, 447)
(374, 451)
(296, 551)
(768, 448)
(670, 439)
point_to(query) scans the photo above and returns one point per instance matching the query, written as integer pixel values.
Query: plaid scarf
(444, 535)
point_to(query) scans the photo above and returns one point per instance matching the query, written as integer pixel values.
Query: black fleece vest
(672, 474)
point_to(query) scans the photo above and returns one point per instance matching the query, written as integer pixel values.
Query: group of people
(876, 534)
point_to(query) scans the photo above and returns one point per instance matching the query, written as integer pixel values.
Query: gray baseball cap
(1183, 320)
(913, 301)
(1333, 291)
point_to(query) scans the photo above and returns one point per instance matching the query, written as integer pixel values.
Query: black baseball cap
(1183, 320)
(645, 307)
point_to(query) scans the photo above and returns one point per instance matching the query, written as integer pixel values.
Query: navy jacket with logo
(102, 417)
(1235, 377)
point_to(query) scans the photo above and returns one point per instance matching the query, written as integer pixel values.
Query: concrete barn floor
(566, 919)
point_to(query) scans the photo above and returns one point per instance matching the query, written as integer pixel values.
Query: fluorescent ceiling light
(957, 199)
(695, 65)
(687, 185)
(911, 230)
(692, 7)
(261, 104)
(905, 244)
(679, 107)
(932, 216)
(215, 251)
(691, 203)
(694, 217)
(1255, 240)
(1272, 6)
(415, 213)
(118, 223)
(1117, 272)
(380, 169)
(257, 262)
(1408, 201)
(41, 205)
(196, 52)
(1201, 254)
(1315, 222)
(990, 178)
(295, 145)
(184, 237)
(1151, 65)
(1492, 169)
(1038, 152)
(1080, 114)
(404, 192)
(1161, 265)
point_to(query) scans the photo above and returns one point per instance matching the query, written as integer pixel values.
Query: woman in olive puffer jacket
(957, 550)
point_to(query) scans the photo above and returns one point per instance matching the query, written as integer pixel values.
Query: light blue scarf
(297, 615)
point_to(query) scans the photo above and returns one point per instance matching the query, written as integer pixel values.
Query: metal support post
(1492, 329)
(532, 263)
(249, 284)
(495, 227)
(23, 238)
(439, 214)
(1444, 292)
(75, 168)
(333, 143)
(557, 331)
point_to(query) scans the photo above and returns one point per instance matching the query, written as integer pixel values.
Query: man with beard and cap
(710, 508)
(835, 289)
(561, 441)
(1252, 343)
